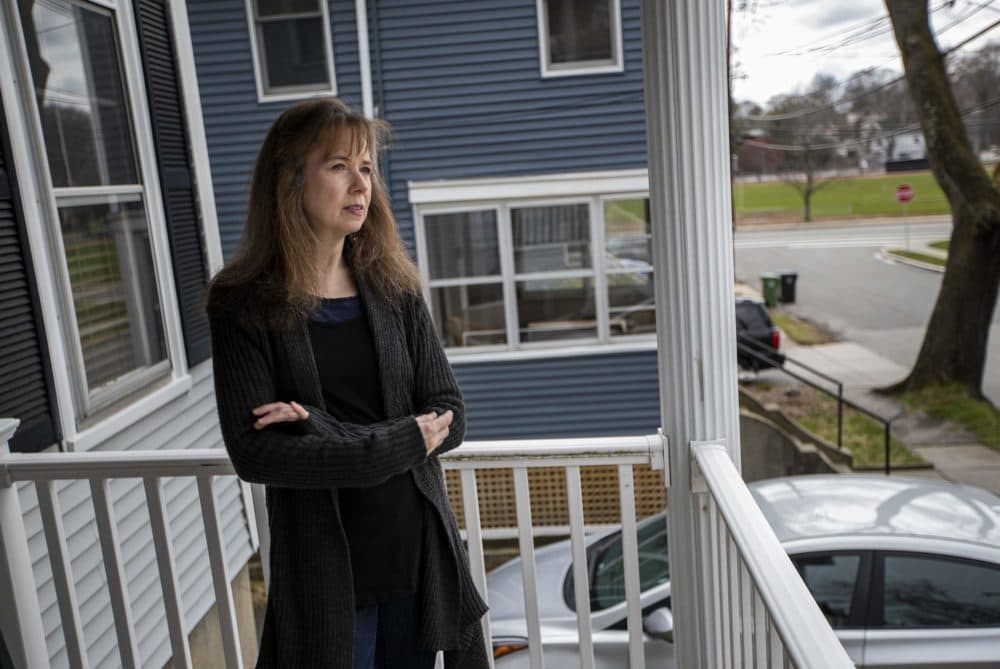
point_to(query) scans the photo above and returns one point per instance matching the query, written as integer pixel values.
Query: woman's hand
(279, 412)
(434, 428)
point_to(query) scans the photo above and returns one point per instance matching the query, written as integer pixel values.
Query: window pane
(929, 592)
(631, 304)
(469, 315)
(579, 30)
(114, 293)
(628, 234)
(462, 244)
(556, 309)
(294, 53)
(551, 238)
(608, 587)
(73, 54)
(830, 579)
(279, 7)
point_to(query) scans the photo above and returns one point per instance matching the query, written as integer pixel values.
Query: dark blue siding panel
(583, 396)
(461, 84)
(235, 123)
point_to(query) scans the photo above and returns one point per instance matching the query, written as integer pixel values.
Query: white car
(906, 570)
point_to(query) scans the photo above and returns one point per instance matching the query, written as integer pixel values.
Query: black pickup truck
(757, 337)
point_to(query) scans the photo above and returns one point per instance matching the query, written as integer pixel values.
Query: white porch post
(684, 44)
(20, 615)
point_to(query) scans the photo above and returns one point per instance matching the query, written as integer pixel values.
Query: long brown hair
(276, 260)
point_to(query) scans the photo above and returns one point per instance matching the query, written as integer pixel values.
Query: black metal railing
(765, 354)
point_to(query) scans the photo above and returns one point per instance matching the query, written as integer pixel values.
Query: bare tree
(954, 346)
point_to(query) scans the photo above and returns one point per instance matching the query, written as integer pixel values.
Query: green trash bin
(771, 285)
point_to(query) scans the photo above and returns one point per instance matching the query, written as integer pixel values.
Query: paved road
(846, 286)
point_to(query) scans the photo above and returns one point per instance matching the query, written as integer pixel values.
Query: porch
(756, 611)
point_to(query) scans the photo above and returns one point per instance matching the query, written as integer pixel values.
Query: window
(831, 580)
(629, 264)
(464, 266)
(579, 36)
(100, 204)
(608, 586)
(925, 591)
(293, 48)
(524, 274)
(554, 278)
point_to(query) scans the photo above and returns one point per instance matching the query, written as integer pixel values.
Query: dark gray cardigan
(309, 620)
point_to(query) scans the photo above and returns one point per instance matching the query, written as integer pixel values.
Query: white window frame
(506, 193)
(297, 92)
(548, 70)
(143, 390)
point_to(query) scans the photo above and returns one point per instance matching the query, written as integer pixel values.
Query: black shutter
(26, 391)
(173, 159)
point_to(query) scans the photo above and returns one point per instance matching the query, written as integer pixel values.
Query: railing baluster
(734, 601)
(168, 574)
(522, 501)
(746, 614)
(107, 529)
(759, 631)
(775, 648)
(630, 557)
(725, 618)
(713, 530)
(581, 589)
(62, 573)
(474, 540)
(258, 496)
(220, 576)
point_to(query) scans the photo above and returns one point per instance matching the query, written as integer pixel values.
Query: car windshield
(606, 566)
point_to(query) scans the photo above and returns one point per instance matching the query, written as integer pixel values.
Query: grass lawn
(952, 403)
(842, 198)
(919, 257)
(800, 330)
(943, 244)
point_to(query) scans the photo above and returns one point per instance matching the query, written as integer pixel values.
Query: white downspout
(684, 59)
(364, 58)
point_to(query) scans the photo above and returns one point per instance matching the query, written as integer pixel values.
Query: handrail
(766, 356)
(805, 633)
(214, 461)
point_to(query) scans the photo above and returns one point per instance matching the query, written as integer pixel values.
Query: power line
(842, 101)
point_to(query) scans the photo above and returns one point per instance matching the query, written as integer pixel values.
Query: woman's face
(337, 189)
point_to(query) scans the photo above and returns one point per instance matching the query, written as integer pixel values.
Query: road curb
(903, 260)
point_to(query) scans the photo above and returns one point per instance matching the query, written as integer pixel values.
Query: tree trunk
(954, 346)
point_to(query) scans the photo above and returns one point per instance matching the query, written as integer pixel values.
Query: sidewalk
(955, 454)
(923, 248)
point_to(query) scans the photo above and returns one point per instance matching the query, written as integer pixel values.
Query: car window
(926, 591)
(608, 584)
(751, 316)
(831, 579)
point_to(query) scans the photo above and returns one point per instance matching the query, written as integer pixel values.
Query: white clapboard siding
(188, 422)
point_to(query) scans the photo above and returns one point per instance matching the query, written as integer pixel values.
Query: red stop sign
(904, 193)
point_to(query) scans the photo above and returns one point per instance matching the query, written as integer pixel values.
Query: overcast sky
(781, 44)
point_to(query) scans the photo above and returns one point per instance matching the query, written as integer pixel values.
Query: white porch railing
(764, 616)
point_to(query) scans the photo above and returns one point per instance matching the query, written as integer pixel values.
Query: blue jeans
(385, 635)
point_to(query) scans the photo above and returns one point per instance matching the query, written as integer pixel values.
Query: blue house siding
(460, 82)
(235, 123)
(582, 396)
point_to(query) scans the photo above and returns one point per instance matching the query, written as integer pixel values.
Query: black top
(383, 523)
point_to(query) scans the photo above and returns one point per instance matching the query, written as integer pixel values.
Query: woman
(334, 392)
